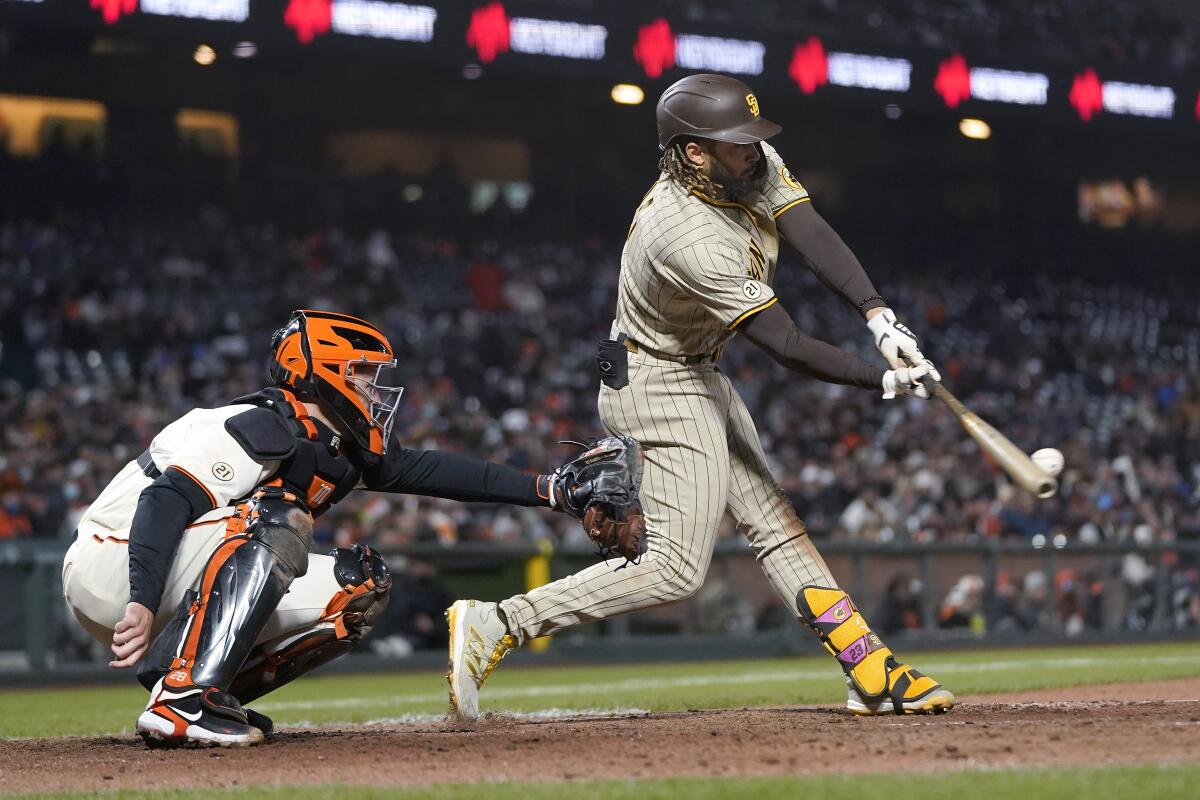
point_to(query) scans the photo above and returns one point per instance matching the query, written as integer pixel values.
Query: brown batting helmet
(711, 107)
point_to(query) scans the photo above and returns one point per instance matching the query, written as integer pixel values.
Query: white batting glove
(907, 380)
(897, 342)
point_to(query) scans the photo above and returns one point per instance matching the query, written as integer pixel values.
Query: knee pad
(366, 584)
(283, 523)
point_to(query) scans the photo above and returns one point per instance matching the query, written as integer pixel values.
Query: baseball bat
(1011, 458)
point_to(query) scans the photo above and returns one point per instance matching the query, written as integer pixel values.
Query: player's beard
(734, 187)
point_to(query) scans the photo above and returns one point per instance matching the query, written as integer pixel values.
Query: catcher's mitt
(600, 488)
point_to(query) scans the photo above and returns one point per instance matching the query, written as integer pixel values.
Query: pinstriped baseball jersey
(695, 267)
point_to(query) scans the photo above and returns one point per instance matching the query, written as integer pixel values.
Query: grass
(1175, 782)
(651, 687)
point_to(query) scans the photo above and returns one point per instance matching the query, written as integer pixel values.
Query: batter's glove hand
(898, 344)
(907, 380)
(600, 487)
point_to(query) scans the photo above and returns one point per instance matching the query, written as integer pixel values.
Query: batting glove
(897, 343)
(907, 380)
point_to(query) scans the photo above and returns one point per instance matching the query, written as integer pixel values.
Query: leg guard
(347, 619)
(245, 578)
(869, 664)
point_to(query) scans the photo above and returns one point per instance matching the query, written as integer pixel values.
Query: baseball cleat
(479, 639)
(921, 695)
(261, 721)
(198, 715)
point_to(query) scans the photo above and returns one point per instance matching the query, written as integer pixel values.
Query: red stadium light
(655, 48)
(953, 81)
(488, 32)
(308, 18)
(112, 10)
(809, 67)
(1087, 95)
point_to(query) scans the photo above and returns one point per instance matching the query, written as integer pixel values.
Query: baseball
(1049, 460)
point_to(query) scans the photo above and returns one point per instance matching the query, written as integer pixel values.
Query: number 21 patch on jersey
(752, 289)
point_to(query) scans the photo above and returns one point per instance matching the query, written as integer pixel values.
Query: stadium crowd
(112, 329)
(114, 323)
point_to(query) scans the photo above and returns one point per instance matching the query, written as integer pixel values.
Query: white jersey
(197, 445)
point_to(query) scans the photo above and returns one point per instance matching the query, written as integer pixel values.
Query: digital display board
(656, 48)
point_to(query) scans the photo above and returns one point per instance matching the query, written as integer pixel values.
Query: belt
(703, 358)
(147, 464)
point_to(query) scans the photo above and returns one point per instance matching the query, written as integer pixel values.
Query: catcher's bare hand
(131, 637)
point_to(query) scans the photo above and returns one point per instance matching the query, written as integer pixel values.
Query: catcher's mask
(347, 364)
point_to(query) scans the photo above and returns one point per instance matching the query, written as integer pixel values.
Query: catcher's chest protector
(311, 462)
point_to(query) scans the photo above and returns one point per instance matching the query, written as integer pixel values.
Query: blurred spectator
(1069, 602)
(1008, 614)
(962, 607)
(900, 608)
(14, 522)
(415, 612)
(720, 606)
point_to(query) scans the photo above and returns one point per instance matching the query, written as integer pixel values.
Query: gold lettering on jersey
(647, 201)
(752, 101)
(758, 262)
(786, 174)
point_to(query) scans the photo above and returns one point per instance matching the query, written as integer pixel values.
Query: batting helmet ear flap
(291, 355)
(760, 169)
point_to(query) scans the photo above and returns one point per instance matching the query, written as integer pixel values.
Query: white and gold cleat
(934, 700)
(479, 639)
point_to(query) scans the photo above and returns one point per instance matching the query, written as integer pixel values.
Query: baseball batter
(697, 268)
(194, 560)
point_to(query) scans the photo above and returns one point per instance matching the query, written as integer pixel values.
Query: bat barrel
(1015, 463)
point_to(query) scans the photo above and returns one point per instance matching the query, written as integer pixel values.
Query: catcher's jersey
(693, 268)
(197, 444)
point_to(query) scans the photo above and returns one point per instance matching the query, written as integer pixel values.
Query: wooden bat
(1010, 457)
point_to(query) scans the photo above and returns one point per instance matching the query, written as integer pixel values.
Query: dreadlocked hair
(674, 162)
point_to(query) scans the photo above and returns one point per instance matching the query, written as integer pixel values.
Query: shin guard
(869, 664)
(347, 619)
(217, 624)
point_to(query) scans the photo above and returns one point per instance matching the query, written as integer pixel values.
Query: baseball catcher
(194, 561)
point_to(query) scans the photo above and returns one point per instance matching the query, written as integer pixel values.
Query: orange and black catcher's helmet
(345, 363)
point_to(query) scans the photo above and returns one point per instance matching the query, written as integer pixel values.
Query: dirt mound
(1128, 723)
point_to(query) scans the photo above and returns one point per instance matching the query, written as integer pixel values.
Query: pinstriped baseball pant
(702, 456)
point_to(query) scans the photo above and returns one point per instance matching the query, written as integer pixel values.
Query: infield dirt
(1114, 724)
